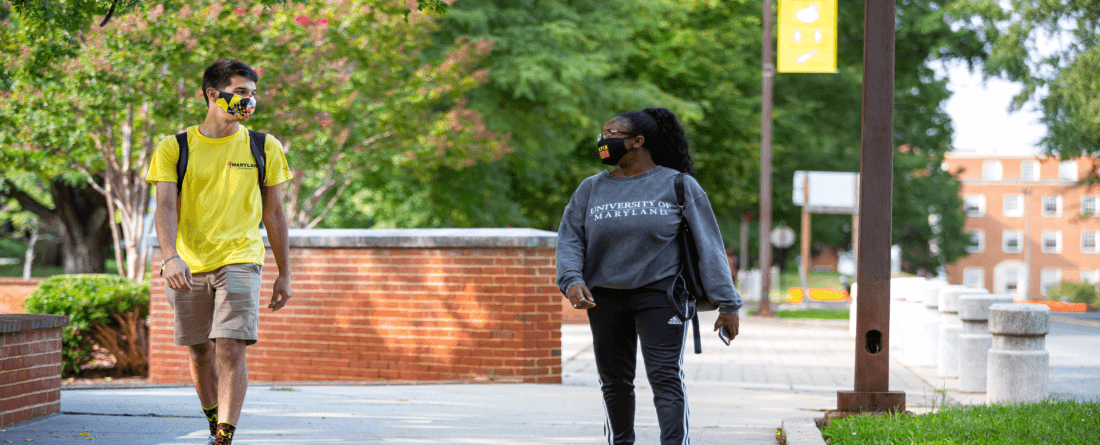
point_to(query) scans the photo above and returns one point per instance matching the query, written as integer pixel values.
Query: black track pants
(619, 319)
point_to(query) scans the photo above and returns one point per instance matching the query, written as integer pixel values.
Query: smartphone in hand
(724, 334)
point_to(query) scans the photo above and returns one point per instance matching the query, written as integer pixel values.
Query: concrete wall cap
(1019, 319)
(976, 307)
(30, 322)
(418, 238)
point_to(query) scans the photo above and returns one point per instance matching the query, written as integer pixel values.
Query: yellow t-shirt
(220, 207)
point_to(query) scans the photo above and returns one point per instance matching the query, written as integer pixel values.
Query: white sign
(830, 192)
(782, 237)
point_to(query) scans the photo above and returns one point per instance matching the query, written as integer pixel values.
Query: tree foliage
(342, 85)
(1050, 47)
(561, 69)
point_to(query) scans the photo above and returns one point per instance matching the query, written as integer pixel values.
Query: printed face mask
(611, 150)
(237, 105)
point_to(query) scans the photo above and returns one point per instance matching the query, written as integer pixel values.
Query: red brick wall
(30, 372)
(13, 291)
(396, 314)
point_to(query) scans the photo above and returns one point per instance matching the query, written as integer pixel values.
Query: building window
(1052, 241)
(1089, 242)
(1089, 204)
(1029, 170)
(1048, 278)
(991, 170)
(974, 205)
(1091, 276)
(1012, 279)
(1052, 205)
(1067, 170)
(1014, 205)
(1011, 241)
(977, 241)
(974, 277)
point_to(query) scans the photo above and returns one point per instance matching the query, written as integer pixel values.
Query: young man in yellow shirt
(207, 226)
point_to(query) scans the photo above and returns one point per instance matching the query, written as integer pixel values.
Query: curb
(1074, 321)
(802, 431)
(143, 385)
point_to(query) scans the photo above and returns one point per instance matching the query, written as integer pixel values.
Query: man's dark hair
(220, 74)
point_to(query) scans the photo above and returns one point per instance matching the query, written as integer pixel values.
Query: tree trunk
(28, 260)
(82, 215)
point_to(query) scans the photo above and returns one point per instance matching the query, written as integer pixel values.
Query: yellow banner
(807, 36)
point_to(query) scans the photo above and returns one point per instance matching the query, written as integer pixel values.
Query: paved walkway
(776, 369)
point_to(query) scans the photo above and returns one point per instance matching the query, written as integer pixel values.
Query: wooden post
(804, 269)
(766, 164)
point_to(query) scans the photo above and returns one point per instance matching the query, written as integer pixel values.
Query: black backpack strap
(683, 226)
(256, 141)
(680, 190)
(181, 162)
(695, 326)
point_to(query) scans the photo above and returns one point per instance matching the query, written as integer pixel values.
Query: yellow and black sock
(224, 435)
(212, 417)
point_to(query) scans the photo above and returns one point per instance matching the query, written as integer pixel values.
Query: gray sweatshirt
(620, 233)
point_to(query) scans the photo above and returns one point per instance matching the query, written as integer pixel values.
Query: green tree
(341, 84)
(560, 69)
(1050, 47)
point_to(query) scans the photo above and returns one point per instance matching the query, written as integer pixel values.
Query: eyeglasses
(607, 134)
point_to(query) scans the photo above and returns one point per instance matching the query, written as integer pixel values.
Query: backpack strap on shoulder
(256, 142)
(181, 162)
(680, 190)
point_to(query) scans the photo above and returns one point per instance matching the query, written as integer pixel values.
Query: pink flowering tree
(343, 85)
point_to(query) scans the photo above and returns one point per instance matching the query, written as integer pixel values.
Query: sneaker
(210, 441)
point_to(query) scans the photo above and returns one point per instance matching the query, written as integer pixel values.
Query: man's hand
(280, 293)
(730, 320)
(580, 297)
(177, 274)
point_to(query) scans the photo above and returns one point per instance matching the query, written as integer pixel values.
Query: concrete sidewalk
(776, 369)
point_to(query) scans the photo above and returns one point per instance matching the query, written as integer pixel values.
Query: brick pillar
(30, 367)
(398, 305)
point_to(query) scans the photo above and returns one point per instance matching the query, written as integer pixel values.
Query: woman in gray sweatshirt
(618, 256)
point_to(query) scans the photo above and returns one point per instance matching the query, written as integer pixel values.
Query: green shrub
(1074, 292)
(89, 300)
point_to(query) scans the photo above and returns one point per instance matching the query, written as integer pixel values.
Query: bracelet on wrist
(165, 263)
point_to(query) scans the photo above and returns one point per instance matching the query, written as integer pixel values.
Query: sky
(983, 123)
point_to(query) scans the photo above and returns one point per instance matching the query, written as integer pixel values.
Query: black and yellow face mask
(237, 105)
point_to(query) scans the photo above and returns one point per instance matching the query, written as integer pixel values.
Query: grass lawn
(789, 278)
(12, 248)
(817, 314)
(15, 248)
(1047, 423)
(16, 271)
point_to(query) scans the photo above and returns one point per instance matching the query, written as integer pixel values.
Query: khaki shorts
(223, 303)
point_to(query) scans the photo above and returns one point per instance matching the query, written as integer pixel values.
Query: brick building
(1032, 224)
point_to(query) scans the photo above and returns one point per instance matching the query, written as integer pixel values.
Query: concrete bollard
(1019, 365)
(947, 363)
(852, 310)
(975, 339)
(901, 312)
(923, 336)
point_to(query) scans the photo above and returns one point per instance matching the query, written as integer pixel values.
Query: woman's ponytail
(675, 151)
(665, 138)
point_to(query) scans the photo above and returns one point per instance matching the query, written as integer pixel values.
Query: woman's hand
(730, 320)
(580, 297)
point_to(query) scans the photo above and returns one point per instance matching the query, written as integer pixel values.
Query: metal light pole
(766, 165)
(872, 372)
